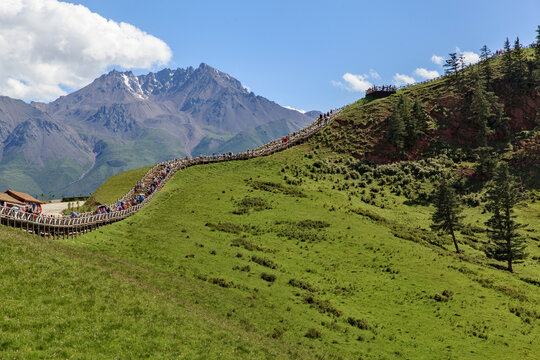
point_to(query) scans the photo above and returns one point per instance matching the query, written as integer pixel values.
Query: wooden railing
(67, 226)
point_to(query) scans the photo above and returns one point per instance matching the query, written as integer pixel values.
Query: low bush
(313, 334)
(251, 203)
(359, 323)
(268, 277)
(248, 245)
(445, 296)
(222, 282)
(264, 262)
(324, 306)
(302, 285)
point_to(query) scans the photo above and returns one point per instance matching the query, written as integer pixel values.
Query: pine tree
(485, 53)
(460, 63)
(519, 66)
(451, 65)
(404, 112)
(446, 217)
(480, 114)
(507, 60)
(503, 194)
(397, 132)
(487, 71)
(536, 68)
(420, 118)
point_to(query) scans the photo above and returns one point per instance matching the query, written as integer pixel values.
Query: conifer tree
(507, 59)
(536, 69)
(503, 194)
(519, 66)
(487, 71)
(480, 114)
(451, 65)
(446, 217)
(404, 112)
(461, 63)
(485, 53)
(397, 131)
(420, 118)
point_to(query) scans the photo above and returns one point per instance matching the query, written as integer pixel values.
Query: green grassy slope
(244, 259)
(116, 186)
(61, 301)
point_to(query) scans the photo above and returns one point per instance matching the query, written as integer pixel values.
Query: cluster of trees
(407, 122)
(503, 195)
(482, 110)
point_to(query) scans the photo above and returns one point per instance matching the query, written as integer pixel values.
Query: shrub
(222, 282)
(268, 277)
(359, 323)
(324, 306)
(248, 245)
(242, 268)
(264, 262)
(302, 285)
(313, 334)
(277, 333)
(312, 224)
(445, 296)
(251, 203)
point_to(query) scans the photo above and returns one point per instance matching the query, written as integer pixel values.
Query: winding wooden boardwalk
(66, 226)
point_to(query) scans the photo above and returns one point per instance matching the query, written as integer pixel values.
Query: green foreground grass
(255, 259)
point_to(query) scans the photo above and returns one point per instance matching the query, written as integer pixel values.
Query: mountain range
(122, 121)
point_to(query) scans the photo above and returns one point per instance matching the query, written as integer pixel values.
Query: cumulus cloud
(402, 79)
(426, 74)
(437, 59)
(469, 57)
(291, 108)
(354, 82)
(47, 46)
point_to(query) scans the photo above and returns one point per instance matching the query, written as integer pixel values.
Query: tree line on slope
(503, 195)
(486, 114)
(483, 113)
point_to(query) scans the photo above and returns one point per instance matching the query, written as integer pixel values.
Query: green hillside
(270, 258)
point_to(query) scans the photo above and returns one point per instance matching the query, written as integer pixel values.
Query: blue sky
(297, 52)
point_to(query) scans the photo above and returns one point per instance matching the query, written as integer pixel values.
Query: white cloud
(353, 82)
(437, 59)
(469, 56)
(291, 108)
(426, 74)
(48, 45)
(373, 74)
(402, 79)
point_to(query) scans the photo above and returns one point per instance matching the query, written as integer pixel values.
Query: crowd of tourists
(138, 196)
(375, 88)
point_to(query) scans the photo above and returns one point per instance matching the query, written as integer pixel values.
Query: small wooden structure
(9, 201)
(31, 203)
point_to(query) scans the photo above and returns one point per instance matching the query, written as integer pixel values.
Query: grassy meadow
(289, 256)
